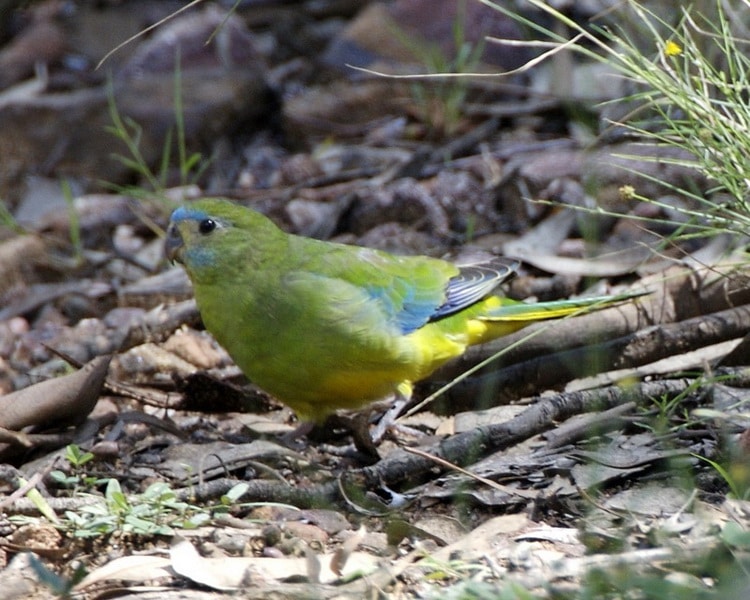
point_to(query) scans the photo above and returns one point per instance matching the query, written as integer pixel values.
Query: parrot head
(189, 228)
(212, 234)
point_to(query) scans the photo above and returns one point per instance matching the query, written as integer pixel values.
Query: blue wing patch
(416, 306)
(413, 309)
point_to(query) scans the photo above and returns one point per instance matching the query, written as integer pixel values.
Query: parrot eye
(206, 226)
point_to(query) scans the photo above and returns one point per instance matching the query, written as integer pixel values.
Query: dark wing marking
(473, 283)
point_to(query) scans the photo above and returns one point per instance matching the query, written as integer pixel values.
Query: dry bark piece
(59, 401)
(159, 323)
(150, 364)
(580, 427)
(197, 348)
(544, 239)
(404, 201)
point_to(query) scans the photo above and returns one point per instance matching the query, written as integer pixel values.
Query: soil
(603, 452)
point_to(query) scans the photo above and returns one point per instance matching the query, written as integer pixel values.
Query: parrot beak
(173, 243)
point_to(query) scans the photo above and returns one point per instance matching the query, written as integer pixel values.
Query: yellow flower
(627, 192)
(672, 48)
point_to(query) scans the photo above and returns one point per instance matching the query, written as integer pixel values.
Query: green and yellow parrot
(323, 326)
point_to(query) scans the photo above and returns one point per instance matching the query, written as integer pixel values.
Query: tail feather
(512, 310)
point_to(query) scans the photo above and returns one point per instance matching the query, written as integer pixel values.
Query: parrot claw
(388, 420)
(292, 439)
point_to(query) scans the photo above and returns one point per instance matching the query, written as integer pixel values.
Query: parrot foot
(388, 420)
(334, 427)
(359, 428)
(292, 439)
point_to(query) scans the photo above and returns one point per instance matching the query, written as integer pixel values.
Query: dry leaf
(129, 568)
(62, 400)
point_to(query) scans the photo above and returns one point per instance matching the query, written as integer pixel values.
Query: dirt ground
(598, 456)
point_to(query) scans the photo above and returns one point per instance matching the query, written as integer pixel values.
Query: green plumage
(323, 326)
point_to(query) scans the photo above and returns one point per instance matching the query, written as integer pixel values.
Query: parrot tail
(515, 311)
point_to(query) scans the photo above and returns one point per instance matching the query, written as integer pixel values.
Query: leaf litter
(544, 476)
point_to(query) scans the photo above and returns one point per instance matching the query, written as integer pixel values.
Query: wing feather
(472, 284)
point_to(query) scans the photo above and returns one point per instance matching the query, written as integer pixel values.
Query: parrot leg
(292, 438)
(358, 425)
(388, 420)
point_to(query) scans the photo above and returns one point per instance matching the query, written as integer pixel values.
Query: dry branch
(640, 348)
(676, 294)
(466, 448)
